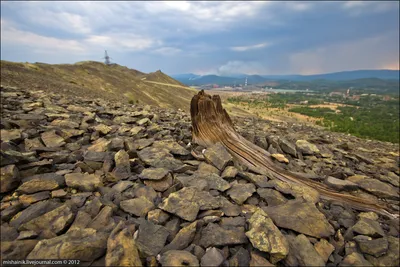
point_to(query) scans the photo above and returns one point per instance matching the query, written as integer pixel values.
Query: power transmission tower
(107, 58)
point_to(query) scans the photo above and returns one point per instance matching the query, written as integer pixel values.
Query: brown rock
(121, 248)
(9, 178)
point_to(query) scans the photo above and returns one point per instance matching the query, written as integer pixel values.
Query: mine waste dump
(102, 182)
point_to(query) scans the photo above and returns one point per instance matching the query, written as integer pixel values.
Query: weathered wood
(211, 124)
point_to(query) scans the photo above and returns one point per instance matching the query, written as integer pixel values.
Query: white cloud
(357, 8)
(12, 36)
(86, 46)
(246, 67)
(64, 21)
(167, 51)
(130, 42)
(299, 5)
(249, 47)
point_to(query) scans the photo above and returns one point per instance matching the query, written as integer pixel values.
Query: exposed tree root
(211, 124)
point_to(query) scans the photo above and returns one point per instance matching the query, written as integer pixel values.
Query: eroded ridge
(211, 124)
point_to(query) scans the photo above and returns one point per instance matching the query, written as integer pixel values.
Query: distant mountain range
(194, 79)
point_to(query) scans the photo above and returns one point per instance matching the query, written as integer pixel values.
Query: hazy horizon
(222, 38)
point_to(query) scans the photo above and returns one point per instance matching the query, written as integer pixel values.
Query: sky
(206, 37)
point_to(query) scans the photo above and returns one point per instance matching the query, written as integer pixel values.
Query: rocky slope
(108, 183)
(95, 79)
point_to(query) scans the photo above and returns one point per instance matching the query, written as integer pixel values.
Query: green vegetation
(369, 116)
(279, 100)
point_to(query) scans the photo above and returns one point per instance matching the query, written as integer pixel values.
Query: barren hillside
(95, 79)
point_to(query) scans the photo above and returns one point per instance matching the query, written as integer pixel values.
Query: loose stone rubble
(116, 185)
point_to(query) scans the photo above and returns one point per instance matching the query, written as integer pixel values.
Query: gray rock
(178, 258)
(300, 192)
(83, 244)
(10, 135)
(259, 180)
(160, 185)
(26, 200)
(240, 258)
(378, 188)
(233, 221)
(369, 215)
(212, 258)
(100, 145)
(305, 253)
(64, 123)
(208, 168)
(229, 172)
(124, 119)
(137, 206)
(301, 217)
(17, 249)
(56, 221)
(121, 248)
(139, 144)
(368, 227)
(258, 261)
(157, 216)
(190, 181)
(187, 202)
(154, 173)
(375, 247)
(273, 197)
(82, 219)
(102, 128)
(218, 156)
(27, 235)
(145, 191)
(288, 147)
(51, 139)
(8, 233)
(181, 204)
(214, 235)
(324, 249)
(121, 186)
(143, 121)
(340, 185)
(265, 236)
(32, 212)
(9, 212)
(159, 158)
(9, 178)
(306, 148)
(68, 133)
(391, 258)
(103, 221)
(58, 193)
(241, 192)
(83, 181)
(151, 246)
(229, 208)
(172, 146)
(33, 144)
(213, 181)
(96, 156)
(392, 178)
(122, 165)
(8, 157)
(355, 259)
(136, 130)
(183, 238)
